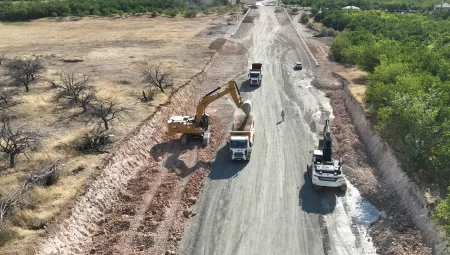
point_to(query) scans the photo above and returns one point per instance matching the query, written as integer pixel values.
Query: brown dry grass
(111, 51)
(356, 83)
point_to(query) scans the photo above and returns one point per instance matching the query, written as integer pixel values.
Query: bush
(190, 14)
(294, 10)
(245, 10)
(171, 12)
(154, 14)
(304, 18)
(442, 215)
(329, 32)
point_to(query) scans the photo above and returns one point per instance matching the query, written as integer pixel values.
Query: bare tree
(12, 198)
(16, 140)
(24, 71)
(77, 89)
(87, 97)
(44, 176)
(7, 96)
(156, 76)
(106, 110)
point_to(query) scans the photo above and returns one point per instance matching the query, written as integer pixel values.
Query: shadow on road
(246, 87)
(175, 150)
(322, 202)
(223, 167)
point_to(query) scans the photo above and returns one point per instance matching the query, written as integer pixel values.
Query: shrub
(304, 18)
(190, 14)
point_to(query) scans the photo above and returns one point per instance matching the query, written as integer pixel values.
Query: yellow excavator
(198, 126)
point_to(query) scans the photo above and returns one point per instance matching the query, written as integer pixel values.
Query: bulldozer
(199, 126)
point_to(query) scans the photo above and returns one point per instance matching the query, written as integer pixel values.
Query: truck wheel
(317, 188)
(184, 139)
(309, 169)
(344, 188)
(248, 157)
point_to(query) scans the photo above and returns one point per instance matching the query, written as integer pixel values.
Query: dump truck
(256, 74)
(241, 136)
(324, 170)
(198, 126)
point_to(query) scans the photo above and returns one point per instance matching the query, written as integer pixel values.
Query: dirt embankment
(403, 199)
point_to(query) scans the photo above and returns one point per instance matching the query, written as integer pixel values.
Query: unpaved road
(267, 206)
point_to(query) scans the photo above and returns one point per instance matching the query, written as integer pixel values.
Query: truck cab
(255, 74)
(240, 147)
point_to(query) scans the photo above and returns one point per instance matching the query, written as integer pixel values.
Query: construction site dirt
(193, 200)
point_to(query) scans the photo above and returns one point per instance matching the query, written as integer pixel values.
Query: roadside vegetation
(407, 57)
(27, 10)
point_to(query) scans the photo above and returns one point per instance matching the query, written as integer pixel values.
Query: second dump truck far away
(255, 74)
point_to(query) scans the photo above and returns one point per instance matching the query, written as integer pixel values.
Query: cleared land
(111, 52)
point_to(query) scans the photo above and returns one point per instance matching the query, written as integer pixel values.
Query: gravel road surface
(267, 206)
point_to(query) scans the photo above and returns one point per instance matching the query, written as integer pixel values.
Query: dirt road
(267, 206)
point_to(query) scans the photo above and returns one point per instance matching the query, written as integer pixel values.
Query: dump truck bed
(242, 122)
(256, 67)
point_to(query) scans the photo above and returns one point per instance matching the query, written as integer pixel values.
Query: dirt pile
(242, 122)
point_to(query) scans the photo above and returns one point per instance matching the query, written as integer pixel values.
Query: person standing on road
(282, 115)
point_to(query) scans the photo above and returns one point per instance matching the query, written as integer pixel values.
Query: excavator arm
(216, 94)
(326, 148)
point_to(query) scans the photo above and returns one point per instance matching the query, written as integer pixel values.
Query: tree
(106, 110)
(7, 96)
(304, 18)
(77, 89)
(16, 140)
(24, 71)
(156, 76)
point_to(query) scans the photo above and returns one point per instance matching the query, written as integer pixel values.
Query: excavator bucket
(247, 107)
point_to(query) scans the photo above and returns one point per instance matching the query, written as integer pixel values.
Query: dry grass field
(357, 80)
(110, 51)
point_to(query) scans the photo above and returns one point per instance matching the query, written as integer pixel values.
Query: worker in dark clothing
(282, 115)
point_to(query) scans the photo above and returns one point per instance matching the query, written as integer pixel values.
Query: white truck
(241, 137)
(323, 170)
(256, 74)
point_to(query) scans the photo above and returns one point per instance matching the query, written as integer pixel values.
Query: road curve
(267, 206)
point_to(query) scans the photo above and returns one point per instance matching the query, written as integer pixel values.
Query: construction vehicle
(241, 136)
(324, 171)
(198, 126)
(255, 74)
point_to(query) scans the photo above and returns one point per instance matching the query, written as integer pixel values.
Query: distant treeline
(390, 5)
(27, 10)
